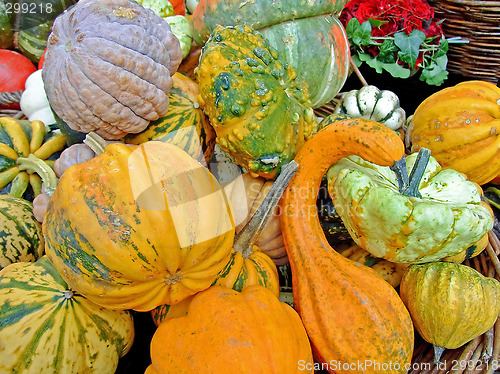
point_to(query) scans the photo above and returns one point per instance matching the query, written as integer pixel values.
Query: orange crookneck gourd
(350, 313)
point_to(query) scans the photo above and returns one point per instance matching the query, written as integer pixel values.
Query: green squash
(33, 41)
(20, 140)
(256, 103)
(21, 238)
(6, 33)
(47, 328)
(435, 213)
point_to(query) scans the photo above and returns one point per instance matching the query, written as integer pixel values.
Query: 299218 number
(474, 364)
(19, 8)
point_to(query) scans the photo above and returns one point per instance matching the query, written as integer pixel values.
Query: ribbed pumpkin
(47, 328)
(129, 229)
(185, 125)
(450, 304)
(226, 331)
(460, 125)
(251, 96)
(20, 140)
(21, 238)
(350, 313)
(109, 64)
(296, 29)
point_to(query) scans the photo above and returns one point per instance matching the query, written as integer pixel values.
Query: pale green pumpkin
(442, 217)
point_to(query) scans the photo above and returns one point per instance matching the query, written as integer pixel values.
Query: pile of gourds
(119, 208)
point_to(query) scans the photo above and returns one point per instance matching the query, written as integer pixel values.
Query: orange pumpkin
(350, 313)
(230, 332)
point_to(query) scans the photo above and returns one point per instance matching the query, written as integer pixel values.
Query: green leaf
(435, 73)
(372, 62)
(409, 45)
(443, 49)
(386, 51)
(351, 27)
(362, 35)
(396, 70)
(376, 22)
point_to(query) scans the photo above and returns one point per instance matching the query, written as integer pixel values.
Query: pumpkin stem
(244, 240)
(95, 142)
(438, 352)
(408, 186)
(33, 164)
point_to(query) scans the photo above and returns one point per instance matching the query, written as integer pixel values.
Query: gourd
(21, 236)
(435, 213)
(296, 30)
(47, 328)
(471, 252)
(251, 96)
(34, 103)
(184, 125)
(373, 323)
(24, 145)
(246, 194)
(391, 272)
(110, 64)
(229, 331)
(14, 70)
(6, 33)
(125, 242)
(370, 102)
(450, 304)
(248, 265)
(460, 125)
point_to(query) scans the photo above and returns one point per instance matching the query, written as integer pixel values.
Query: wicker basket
(478, 22)
(7, 98)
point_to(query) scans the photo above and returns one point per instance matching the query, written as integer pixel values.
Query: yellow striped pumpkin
(47, 328)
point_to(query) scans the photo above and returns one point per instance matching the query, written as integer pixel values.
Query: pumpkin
(251, 96)
(391, 272)
(185, 125)
(372, 324)
(14, 70)
(109, 64)
(435, 213)
(248, 265)
(470, 252)
(370, 102)
(297, 30)
(34, 103)
(229, 331)
(24, 145)
(125, 242)
(21, 234)
(450, 304)
(460, 125)
(246, 194)
(47, 328)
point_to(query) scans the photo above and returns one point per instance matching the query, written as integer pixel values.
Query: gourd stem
(33, 164)
(417, 172)
(244, 240)
(438, 352)
(95, 142)
(408, 185)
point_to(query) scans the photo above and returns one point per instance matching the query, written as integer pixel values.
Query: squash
(372, 324)
(450, 304)
(14, 70)
(34, 103)
(250, 96)
(435, 213)
(6, 33)
(21, 234)
(23, 143)
(390, 271)
(296, 30)
(185, 125)
(109, 64)
(233, 332)
(248, 265)
(370, 102)
(47, 328)
(125, 242)
(471, 252)
(460, 125)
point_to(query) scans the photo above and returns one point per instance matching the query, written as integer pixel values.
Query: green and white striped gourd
(21, 236)
(45, 328)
